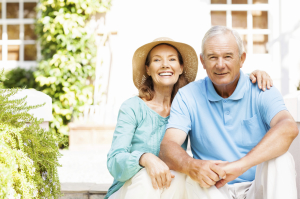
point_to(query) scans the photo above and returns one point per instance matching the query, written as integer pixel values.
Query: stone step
(83, 190)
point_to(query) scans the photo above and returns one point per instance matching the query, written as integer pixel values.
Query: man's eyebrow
(210, 54)
(229, 53)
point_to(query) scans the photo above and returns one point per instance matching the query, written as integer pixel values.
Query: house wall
(138, 22)
(289, 40)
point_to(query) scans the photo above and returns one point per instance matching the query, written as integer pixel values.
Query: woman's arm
(262, 78)
(121, 162)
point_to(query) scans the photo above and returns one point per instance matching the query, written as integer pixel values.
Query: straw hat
(189, 56)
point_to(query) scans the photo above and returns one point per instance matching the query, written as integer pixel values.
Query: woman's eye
(172, 59)
(156, 59)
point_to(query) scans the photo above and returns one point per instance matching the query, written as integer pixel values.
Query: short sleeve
(179, 115)
(270, 103)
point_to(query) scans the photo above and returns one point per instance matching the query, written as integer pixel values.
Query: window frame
(9, 64)
(270, 61)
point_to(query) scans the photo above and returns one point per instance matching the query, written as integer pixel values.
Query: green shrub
(28, 153)
(20, 78)
(68, 56)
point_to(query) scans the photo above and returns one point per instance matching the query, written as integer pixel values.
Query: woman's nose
(165, 64)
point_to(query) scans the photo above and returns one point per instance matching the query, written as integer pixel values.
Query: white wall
(141, 21)
(289, 41)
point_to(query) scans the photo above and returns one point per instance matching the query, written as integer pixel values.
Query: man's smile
(221, 73)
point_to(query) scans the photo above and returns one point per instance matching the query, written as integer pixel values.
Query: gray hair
(222, 30)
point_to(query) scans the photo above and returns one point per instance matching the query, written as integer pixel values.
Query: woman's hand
(158, 171)
(262, 78)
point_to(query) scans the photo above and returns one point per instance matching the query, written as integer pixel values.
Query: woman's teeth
(165, 74)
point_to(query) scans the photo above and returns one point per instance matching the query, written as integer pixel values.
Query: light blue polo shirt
(225, 129)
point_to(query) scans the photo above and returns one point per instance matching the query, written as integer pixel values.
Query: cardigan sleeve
(121, 163)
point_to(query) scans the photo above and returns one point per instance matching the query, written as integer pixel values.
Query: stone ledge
(90, 126)
(81, 196)
(84, 188)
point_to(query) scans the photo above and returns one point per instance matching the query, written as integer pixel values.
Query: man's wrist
(187, 164)
(245, 164)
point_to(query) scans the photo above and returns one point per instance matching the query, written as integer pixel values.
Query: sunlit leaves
(28, 154)
(68, 51)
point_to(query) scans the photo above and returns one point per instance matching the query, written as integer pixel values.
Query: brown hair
(146, 90)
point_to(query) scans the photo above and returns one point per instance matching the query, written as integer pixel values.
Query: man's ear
(202, 61)
(243, 59)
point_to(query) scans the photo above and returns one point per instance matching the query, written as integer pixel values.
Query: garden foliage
(28, 153)
(68, 56)
(20, 78)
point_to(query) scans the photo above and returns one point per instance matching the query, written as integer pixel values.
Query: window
(18, 45)
(249, 17)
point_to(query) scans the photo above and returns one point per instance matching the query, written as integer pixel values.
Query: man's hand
(206, 172)
(158, 171)
(233, 170)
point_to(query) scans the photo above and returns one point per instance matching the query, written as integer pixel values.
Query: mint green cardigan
(139, 130)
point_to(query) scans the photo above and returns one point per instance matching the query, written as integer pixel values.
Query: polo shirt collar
(238, 93)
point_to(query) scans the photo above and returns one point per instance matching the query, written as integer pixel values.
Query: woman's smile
(165, 74)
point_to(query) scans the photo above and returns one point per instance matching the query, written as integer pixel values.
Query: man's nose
(220, 63)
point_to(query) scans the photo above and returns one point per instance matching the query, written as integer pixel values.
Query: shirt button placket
(226, 111)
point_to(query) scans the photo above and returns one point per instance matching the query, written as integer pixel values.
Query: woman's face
(164, 67)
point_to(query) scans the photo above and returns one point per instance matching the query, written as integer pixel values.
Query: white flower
(25, 143)
(42, 190)
(35, 192)
(29, 141)
(44, 175)
(18, 196)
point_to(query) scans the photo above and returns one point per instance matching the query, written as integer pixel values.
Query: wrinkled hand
(233, 170)
(206, 172)
(262, 78)
(158, 171)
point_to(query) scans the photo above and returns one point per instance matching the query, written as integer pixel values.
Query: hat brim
(189, 56)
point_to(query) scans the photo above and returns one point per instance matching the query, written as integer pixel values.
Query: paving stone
(75, 196)
(97, 196)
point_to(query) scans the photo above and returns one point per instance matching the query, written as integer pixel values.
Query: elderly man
(233, 126)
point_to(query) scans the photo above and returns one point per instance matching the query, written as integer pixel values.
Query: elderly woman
(160, 68)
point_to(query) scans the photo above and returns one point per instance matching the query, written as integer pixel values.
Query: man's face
(221, 59)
